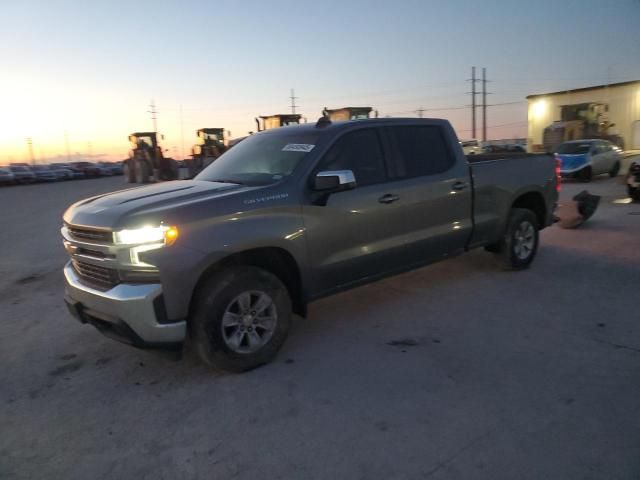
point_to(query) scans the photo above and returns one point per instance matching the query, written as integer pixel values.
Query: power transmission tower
(473, 102)
(293, 101)
(484, 104)
(181, 133)
(66, 144)
(420, 111)
(30, 147)
(154, 114)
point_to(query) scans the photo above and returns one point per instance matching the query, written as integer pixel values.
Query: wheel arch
(533, 201)
(275, 260)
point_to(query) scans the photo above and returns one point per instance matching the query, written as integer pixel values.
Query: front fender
(211, 240)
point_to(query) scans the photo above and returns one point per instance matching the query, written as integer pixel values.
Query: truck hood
(112, 210)
(573, 161)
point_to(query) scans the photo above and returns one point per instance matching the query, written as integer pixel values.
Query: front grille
(95, 276)
(90, 234)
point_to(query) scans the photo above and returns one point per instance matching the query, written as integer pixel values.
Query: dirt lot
(455, 371)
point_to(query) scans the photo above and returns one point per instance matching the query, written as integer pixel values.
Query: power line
(522, 122)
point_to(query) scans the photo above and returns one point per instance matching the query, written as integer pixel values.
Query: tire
(585, 175)
(128, 172)
(219, 302)
(142, 172)
(519, 245)
(634, 193)
(614, 170)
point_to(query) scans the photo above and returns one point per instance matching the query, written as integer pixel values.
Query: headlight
(163, 235)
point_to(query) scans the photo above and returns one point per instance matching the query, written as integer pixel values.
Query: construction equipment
(211, 144)
(146, 163)
(580, 121)
(277, 121)
(348, 113)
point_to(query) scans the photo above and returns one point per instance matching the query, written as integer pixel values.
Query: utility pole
(484, 104)
(30, 148)
(66, 144)
(154, 114)
(89, 150)
(473, 102)
(181, 133)
(420, 111)
(293, 101)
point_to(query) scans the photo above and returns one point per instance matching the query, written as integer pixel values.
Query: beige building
(611, 111)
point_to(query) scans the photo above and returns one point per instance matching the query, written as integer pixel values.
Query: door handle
(457, 186)
(388, 198)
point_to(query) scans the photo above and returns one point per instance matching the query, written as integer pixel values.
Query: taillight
(558, 174)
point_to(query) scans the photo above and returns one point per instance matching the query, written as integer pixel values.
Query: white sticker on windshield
(298, 147)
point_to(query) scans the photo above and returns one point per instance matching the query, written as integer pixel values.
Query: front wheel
(241, 318)
(520, 242)
(585, 175)
(634, 193)
(614, 170)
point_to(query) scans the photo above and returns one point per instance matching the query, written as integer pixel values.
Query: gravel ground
(454, 371)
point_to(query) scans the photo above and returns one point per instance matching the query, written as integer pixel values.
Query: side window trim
(397, 154)
(321, 164)
(389, 150)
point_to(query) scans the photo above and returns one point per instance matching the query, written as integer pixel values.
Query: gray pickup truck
(288, 216)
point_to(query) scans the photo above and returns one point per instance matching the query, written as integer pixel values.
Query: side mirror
(334, 181)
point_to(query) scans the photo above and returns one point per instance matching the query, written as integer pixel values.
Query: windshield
(19, 169)
(261, 159)
(574, 148)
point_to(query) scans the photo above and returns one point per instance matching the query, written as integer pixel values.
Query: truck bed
(498, 179)
(484, 157)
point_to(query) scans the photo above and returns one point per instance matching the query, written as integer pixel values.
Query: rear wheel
(585, 175)
(142, 171)
(518, 247)
(614, 170)
(129, 172)
(241, 318)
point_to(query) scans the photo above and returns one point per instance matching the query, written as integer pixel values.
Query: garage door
(636, 134)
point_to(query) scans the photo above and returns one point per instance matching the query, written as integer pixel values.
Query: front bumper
(127, 312)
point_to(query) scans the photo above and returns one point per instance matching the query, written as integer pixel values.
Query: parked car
(115, 168)
(503, 149)
(583, 159)
(633, 180)
(66, 171)
(288, 216)
(22, 174)
(44, 174)
(6, 176)
(87, 168)
(471, 147)
(105, 171)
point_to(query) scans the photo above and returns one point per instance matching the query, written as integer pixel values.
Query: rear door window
(360, 152)
(420, 151)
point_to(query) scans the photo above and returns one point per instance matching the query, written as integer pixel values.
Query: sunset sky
(91, 68)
